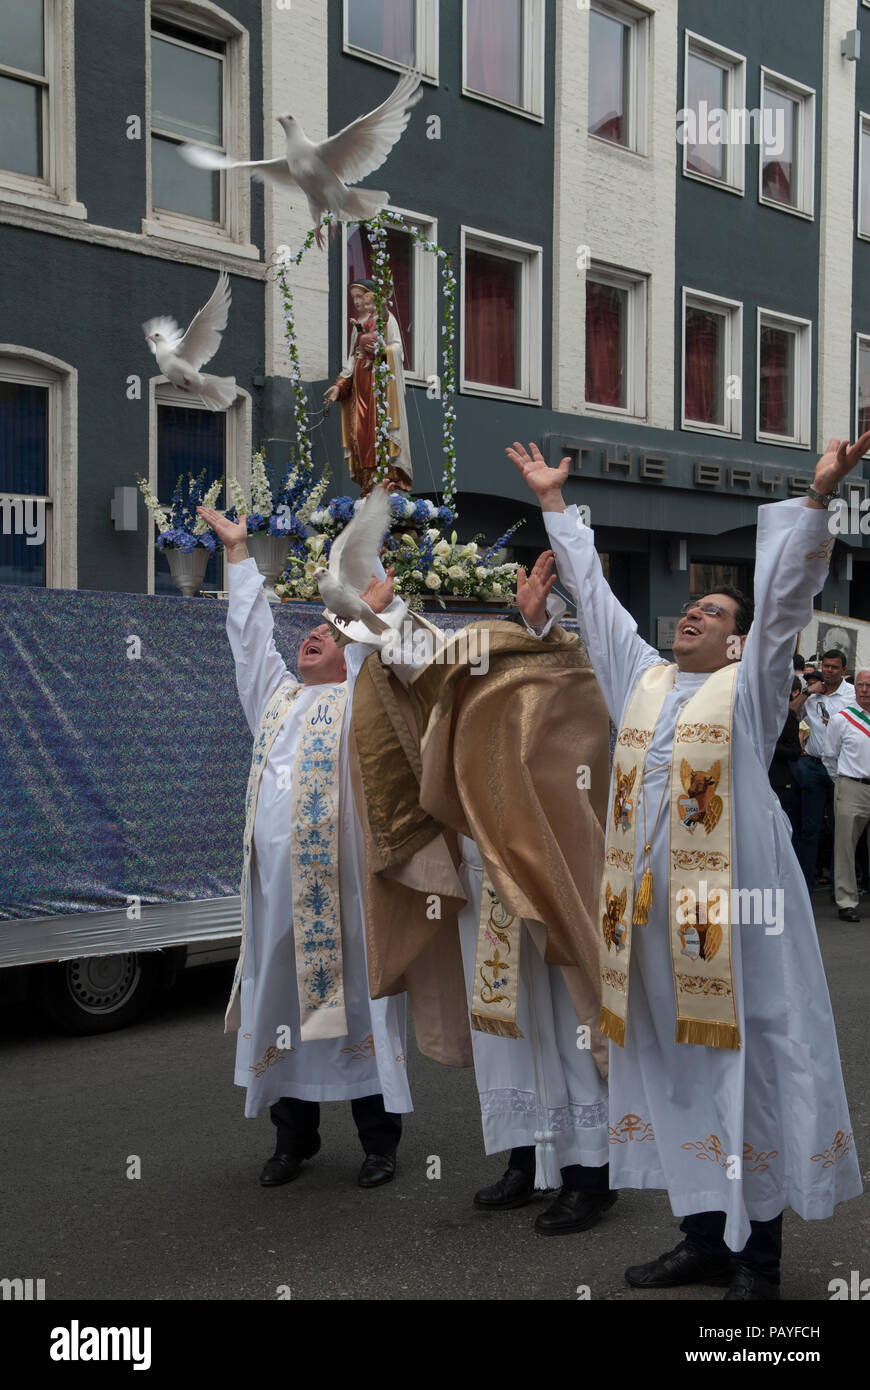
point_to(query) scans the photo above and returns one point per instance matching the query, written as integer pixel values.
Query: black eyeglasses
(713, 610)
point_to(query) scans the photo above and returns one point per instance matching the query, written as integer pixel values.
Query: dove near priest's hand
(325, 171)
(353, 562)
(181, 356)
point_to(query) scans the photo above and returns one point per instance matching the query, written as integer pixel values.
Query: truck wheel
(96, 994)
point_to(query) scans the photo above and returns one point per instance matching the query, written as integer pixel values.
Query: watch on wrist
(826, 498)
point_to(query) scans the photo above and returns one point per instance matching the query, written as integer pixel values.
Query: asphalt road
(197, 1225)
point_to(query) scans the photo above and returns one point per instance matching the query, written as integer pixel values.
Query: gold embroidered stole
(496, 966)
(697, 905)
(314, 868)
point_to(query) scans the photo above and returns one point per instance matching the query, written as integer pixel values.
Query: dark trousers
(297, 1122)
(575, 1176)
(761, 1254)
(790, 801)
(817, 793)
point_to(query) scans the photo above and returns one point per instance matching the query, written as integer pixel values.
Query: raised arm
(618, 654)
(793, 552)
(260, 668)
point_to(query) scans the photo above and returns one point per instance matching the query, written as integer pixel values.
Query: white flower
(316, 544)
(456, 572)
(432, 581)
(433, 532)
(416, 574)
(310, 567)
(442, 548)
(482, 572)
(496, 590)
(470, 549)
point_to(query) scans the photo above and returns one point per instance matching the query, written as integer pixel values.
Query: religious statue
(355, 389)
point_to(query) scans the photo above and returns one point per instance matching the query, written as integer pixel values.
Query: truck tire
(96, 994)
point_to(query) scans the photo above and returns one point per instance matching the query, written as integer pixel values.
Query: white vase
(270, 553)
(188, 567)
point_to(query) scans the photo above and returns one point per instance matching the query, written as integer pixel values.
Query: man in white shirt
(847, 760)
(824, 697)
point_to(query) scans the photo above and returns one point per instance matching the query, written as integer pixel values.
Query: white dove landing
(353, 559)
(180, 356)
(323, 171)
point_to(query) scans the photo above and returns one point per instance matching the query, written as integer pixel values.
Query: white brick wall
(295, 57)
(619, 204)
(836, 203)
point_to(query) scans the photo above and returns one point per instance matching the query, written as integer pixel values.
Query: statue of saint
(355, 389)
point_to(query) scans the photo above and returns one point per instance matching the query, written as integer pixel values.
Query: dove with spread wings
(180, 356)
(352, 561)
(324, 171)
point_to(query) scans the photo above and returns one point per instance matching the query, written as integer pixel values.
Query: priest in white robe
(757, 1120)
(290, 1056)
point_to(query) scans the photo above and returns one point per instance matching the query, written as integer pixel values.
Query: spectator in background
(826, 694)
(788, 750)
(847, 761)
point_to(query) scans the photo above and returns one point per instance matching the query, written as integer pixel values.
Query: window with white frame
(616, 342)
(503, 53)
(712, 122)
(784, 379)
(864, 177)
(712, 363)
(501, 317)
(37, 110)
(414, 301)
(198, 94)
(397, 33)
(788, 143)
(31, 424)
(618, 64)
(862, 384)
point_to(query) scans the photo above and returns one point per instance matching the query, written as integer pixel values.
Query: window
(37, 111)
(788, 142)
(714, 105)
(712, 358)
(197, 84)
(784, 349)
(864, 178)
(616, 342)
(862, 384)
(397, 33)
(711, 576)
(501, 318)
(618, 46)
(415, 284)
(37, 470)
(503, 53)
(188, 441)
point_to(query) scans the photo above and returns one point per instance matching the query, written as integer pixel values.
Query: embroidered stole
(496, 966)
(314, 861)
(857, 717)
(697, 897)
(314, 854)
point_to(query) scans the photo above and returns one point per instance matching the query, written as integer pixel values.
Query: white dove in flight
(181, 355)
(324, 171)
(352, 561)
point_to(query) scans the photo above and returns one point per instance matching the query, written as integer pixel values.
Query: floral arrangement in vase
(435, 567)
(178, 526)
(284, 511)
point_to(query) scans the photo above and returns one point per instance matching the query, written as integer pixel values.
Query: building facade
(659, 215)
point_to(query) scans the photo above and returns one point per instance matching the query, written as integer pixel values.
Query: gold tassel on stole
(643, 900)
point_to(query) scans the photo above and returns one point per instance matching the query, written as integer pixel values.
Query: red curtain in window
(702, 367)
(777, 182)
(400, 253)
(775, 365)
(494, 48)
(490, 319)
(604, 328)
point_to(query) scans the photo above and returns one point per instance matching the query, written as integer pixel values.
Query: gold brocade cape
(517, 760)
(700, 857)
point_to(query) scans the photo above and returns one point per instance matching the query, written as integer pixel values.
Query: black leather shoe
(849, 914)
(574, 1211)
(284, 1167)
(683, 1265)
(513, 1190)
(376, 1170)
(749, 1287)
